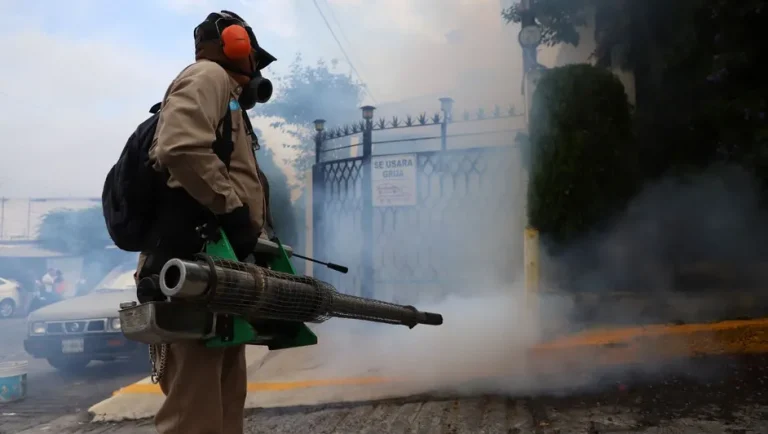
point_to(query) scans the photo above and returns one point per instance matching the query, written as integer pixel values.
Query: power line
(344, 52)
(338, 26)
(329, 8)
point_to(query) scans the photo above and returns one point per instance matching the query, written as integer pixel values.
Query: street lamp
(446, 105)
(368, 112)
(319, 127)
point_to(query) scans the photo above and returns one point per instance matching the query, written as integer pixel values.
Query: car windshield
(118, 280)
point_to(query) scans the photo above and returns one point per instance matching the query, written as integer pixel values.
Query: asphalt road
(52, 394)
(718, 395)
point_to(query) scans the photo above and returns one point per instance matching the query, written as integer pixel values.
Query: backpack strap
(249, 131)
(224, 146)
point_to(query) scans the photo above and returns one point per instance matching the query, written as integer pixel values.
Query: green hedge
(583, 159)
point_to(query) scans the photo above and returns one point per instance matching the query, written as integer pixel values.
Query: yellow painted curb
(609, 336)
(154, 389)
(652, 344)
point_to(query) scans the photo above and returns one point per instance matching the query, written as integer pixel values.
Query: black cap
(215, 23)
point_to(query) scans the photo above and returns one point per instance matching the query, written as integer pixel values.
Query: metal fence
(427, 204)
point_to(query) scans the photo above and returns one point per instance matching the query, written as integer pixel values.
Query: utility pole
(529, 38)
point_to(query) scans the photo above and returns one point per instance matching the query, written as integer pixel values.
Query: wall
(20, 218)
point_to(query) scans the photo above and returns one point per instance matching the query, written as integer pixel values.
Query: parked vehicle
(73, 332)
(10, 298)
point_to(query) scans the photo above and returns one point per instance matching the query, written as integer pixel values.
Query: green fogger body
(226, 303)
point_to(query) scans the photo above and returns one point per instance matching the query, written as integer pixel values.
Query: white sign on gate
(393, 178)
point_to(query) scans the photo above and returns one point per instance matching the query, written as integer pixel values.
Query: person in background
(48, 280)
(59, 285)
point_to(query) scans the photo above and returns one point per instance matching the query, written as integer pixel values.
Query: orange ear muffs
(235, 42)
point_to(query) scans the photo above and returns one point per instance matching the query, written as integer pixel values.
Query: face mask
(258, 90)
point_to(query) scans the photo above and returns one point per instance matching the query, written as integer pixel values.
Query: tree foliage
(581, 139)
(75, 232)
(559, 19)
(699, 78)
(307, 93)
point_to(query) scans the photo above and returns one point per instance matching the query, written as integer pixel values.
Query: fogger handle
(336, 267)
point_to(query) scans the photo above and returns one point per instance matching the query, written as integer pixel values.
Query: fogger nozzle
(183, 279)
(259, 293)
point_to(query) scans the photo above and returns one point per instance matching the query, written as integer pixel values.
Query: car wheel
(7, 308)
(69, 364)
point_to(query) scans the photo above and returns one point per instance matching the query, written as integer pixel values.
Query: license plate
(71, 346)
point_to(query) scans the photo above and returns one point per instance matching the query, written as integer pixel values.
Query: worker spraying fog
(188, 194)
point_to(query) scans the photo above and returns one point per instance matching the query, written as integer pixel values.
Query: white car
(10, 299)
(73, 332)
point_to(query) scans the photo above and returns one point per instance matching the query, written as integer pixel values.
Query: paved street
(712, 378)
(719, 395)
(52, 394)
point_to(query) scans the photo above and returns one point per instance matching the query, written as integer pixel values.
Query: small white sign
(393, 178)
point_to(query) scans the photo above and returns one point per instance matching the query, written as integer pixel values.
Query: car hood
(94, 305)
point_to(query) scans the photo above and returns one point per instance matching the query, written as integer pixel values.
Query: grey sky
(70, 94)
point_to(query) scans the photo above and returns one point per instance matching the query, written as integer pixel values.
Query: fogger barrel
(259, 293)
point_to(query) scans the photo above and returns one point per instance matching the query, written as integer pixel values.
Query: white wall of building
(20, 218)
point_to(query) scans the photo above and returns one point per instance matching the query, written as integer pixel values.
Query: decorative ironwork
(339, 205)
(451, 183)
(421, 120)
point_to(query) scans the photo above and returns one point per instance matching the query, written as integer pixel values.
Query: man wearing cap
(205, 388)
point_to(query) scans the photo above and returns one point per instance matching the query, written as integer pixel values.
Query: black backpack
(133, 188)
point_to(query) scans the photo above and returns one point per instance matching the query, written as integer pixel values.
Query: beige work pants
(205, 390)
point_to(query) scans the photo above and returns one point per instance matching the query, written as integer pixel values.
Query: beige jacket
(193, 106)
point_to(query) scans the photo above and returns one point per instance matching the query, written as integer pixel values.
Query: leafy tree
(581, 140)
(559, 19)
(74, 231)
(699, 78)
(307, 93)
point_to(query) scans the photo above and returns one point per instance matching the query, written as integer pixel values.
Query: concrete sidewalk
(327, 373)
(352, 368)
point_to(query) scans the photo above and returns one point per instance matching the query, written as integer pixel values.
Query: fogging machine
(224, 302)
